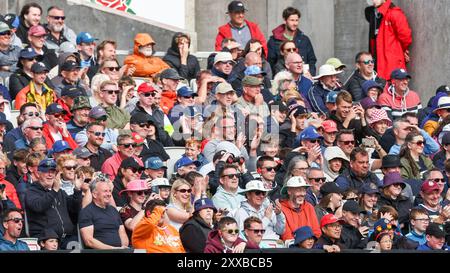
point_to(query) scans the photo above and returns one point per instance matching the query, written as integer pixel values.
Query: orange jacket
(305, 217)
(147, 235)
(145, 66)
(50, 141)
(25, 96)
(168, 99)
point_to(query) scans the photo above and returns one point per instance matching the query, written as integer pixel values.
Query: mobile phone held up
(368, 142)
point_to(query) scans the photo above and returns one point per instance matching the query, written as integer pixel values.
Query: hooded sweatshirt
(214, 244)
(224, 199)
(396, 105)
(190, 69)
(145, 66)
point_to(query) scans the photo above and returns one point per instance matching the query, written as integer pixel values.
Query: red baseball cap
(329, 126)
(429, 186)
(145, 88)
(137, 138)
(37, 30)
(328, 219)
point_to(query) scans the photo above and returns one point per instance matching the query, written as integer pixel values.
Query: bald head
(294, 63)
(252, 58)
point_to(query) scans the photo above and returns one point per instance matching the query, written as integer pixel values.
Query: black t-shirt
(97, 159)
(106, 223)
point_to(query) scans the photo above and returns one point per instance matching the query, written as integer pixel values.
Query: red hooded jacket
(393, 39)
(214, 244)
(255, 33)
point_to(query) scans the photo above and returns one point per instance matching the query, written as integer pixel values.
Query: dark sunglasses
(231, 231)
(58, 115)
(314, 140)
(366, 62)
(110, 92)
(115, 68)
(438, 180)
(70, 167)
(262, 231)
(318, 179)
(269, 169)
(148, 94)
(128, 145)
(188, 97)
(231, 176)
(291, 49)
(58, 17)
(419, 143)
(87, 180)
(31, 114)
(135, 170)
(97, 134)
(259, 192)
(15, 220)
(185, 191)
(35, 128)
(4, 33)
(348, 142)
(141, 192)
(146, 125)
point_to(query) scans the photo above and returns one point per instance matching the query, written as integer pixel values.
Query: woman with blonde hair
(66, 165)
(180, 207)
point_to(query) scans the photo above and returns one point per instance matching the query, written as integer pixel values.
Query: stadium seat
(31, 242)
(175, 153)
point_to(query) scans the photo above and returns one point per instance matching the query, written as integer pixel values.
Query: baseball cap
(400, 74)
(46, 165)
(253, 70)
(185, 161)
(37, 30)
(139, 118)
(251, 81)
(429, 186)
(81, 152)
(54, 108)
(331, 97)
(154, 163)
(81, 101)
(97, 112)
(329, 126)
(145, 87)
(28, 53)
(39, 67)
(170, 73)
(328, 219)
(330, 187)
(70, 66)
(12, 20)
(369, 188)
(367, 85)
(60, 146)
(72, 91)
(309, 132)
(4, 27)
(186, 91)
(223, 88)
(85, 37)
(353, 207)
(236, 6)
(223, 57)
(130, 162)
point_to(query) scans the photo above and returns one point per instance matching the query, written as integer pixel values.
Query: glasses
(148, 94)
(135, 170)
(185, 190)
(70, 167)
(35, 128)
(188, 97)
(438, 180)
(314, 140)
(141, 192)
(293, 49)
(348, 142)
(31, 114)
(231, 231)
(228, 63)
(5, 33)
(58, 17)
(87, 180)
(366, 62)
(58, 115)
(335, 226)
(97, 134)
(269, 169)
(419, 143)
(259, 192)
(128, 145)
(110, 92)
(146, 125)
(102, 118)
(231, 176)
(15, 220)
(318, 179)
(115, 68)
(262, 231)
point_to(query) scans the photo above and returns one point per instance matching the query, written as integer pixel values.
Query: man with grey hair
(103, 218)
(31, 128)
(316, 178)
(57, 30)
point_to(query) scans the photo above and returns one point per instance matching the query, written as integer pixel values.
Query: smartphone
(306, 67)
(155, 189)
(368, 142)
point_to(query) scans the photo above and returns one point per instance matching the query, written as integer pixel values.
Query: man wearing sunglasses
(118, 118)
(185, 98)
(364, 71)
(70, 75)
(31, 128)
(9, 53)
(95, 137)
(267, 168)
(58, 31)
(55, 128)
(67, 101)
(227, 196)
(13, 225)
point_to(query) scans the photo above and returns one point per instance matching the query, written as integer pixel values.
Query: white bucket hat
(443, 103)
(161, 182)
(294, 182)
(223, 57)
(254, 185)
(326, 70)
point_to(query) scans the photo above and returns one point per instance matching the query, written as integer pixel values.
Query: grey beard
(56, 28)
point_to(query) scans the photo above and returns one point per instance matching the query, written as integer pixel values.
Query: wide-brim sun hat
(326, 70)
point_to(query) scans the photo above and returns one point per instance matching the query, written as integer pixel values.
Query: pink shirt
(112, 164)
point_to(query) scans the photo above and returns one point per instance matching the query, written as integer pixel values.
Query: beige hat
(223, 88)
(294, 182)
(326, 70)
(335, 62)
(254, 185)
(223, 57)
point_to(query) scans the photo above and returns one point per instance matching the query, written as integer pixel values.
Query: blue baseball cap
(28, 53)
(3, 119)
(154, 163)
(254, 70)
(186, 91)
(302, 234)
(371, 84)
(54, 108)
(309, 132)
(60, 146)
(85, 37)
(204, 203)
(186, 161)
(331, 97)
(46, 165)
(399, 74)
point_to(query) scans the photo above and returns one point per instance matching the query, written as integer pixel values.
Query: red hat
(137, 138)
(329, 126)
(328, 219)
(145, 88)
(37, 30)
(429, 186)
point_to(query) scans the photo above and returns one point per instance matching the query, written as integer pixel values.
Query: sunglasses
(185, 190)
(366, 62)
(110, 92)
(31, 114)
(97, 134)
(419, 143)
(58, 115)
(259, 192)
(87, 180)
(15, 220)
(262, 231)
(438, 180)
(35, 128)
(115, 68)
(148, 94)
(128, 145)
(231, 231)
(348, 142)
(135, 170)
(141, 192)
(102, 118)
(318, 179)
(58, 17)
(293, 49)
(146, 125)
(70, 167)
(314, 140)
(231, 176)
(269, 169)
(5, 33)
(188, 97)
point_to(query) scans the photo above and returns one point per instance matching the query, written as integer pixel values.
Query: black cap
(330, 187)
(39, 67)
(390, 161)
(54, 108)
(69, 66)
(170, 73)
(130, 162)
(71, 91)
(435, 230)
(353, 207)
(443, 89)
(48, 234)
(236, 6)
(139, 118)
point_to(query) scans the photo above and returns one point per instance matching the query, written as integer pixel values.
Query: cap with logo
(54, 108)
(399, 74)
(37, 30)
(39, 67)
(70, 66)
(97, 112)
(60, 146)
(47, 165)
(186, 161)
(236, 6)
(154, 163)
(82, 152)
(85, 37)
